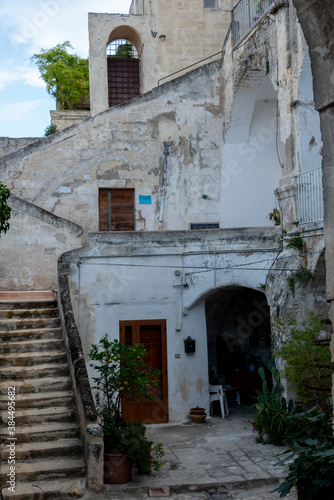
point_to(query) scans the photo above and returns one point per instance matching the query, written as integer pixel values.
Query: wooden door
(123, 79)
(116, 209)
(152, 334)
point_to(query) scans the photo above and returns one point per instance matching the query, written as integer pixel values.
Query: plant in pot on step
(271, 409)
(197, 415)
(121, 371)
(146, 455)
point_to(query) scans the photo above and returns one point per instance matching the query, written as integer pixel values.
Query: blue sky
(27, 26)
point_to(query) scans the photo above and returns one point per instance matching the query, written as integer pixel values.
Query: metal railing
(245, 14)
(310, 205)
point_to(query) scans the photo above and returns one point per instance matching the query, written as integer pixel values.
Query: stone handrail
(90, 430)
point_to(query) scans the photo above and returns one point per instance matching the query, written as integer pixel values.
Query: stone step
(33, 358)
(28, 304)
(32, 345)
(37, 399)
(41, 415)
(55, 448)
(44, 384)
(53, 430)
(20, 324)
(42, 469)
(27, 295)
(28, 313)
(30, 334)
(63, 489)
(15, 373)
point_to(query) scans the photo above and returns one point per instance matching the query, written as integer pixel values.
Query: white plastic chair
(216, 393)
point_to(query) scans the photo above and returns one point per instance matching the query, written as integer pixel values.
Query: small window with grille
(122, 49)
(211, 4)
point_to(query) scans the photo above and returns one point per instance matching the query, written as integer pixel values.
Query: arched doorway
(238, 335)
(123, 64)
(123, 71)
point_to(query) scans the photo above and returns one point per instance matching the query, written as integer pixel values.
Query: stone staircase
(45, 443)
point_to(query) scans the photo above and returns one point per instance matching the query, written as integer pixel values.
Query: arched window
(123, 71)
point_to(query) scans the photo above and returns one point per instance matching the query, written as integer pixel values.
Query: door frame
(164, 368)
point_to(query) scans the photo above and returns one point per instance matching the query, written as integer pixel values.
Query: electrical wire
(208, 269)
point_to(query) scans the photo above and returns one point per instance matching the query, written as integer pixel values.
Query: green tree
(66, 75)
(5, 210)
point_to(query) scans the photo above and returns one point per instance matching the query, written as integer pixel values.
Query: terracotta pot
(117, 468)
(197, 419)
(197, 411)
(266, 437)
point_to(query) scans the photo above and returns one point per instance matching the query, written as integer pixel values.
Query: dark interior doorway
(238, 333)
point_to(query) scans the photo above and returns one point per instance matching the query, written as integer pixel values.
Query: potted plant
(121, 370)
(197, 415)
(271, 409)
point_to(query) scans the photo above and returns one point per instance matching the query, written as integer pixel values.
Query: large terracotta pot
(197, 411)
(117, 468)
(197, 419)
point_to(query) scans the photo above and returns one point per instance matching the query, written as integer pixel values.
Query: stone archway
(123, 65)
(238, 335)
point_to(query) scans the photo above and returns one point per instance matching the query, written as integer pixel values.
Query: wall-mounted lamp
(189, 345)
(162, 37)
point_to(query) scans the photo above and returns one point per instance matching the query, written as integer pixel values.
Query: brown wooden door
(152, 334)
(123, 79)
(116, 209)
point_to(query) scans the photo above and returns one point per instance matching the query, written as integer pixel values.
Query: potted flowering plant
(121, 370)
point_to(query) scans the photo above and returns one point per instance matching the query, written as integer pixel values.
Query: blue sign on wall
(145, 199)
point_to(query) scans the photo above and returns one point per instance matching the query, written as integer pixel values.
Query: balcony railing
(245, 14)
(310, 205)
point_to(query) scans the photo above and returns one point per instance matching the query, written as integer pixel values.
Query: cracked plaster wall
(126, 276)
(122, 148)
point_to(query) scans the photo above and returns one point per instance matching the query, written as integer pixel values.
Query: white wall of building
(251, 169)
(166, 276)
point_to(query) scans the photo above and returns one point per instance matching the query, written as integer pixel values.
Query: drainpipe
(162, 191)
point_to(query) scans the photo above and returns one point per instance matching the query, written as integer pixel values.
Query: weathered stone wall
(276, 51)
(317, 18)
(9, 145)
(123, 147)
(192, 34)
(30, 249)
(66, 118)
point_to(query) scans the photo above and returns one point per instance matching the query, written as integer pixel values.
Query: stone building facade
(169, 36)
(191, 169)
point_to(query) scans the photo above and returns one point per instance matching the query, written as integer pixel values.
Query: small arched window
(123, 71)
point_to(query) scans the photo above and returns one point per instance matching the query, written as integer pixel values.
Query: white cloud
(21, 110)
(34, 25)
(23, 75)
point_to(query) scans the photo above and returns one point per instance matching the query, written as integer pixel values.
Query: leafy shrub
(307, 357)
(50, 129)
(311, 449)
